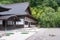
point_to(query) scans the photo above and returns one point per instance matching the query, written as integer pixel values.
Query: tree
(50, 3)
(58, 2)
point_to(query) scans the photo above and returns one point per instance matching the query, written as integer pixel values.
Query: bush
(47, 17)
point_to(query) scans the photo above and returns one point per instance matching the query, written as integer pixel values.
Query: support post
(4, 24)
(29, 24)
(14, 24)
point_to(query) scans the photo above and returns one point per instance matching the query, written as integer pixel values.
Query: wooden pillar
(14, 20)
(4, 24)
(29, 24)
(14, 24)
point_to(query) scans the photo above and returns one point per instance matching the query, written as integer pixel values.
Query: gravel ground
(2, 33)
(17, 34)
(46, 34)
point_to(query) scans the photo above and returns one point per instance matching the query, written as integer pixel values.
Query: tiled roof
(16, 9)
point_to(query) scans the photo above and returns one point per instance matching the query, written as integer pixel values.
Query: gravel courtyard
(46, 34)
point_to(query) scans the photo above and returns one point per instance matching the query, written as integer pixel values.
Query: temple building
(16, 16)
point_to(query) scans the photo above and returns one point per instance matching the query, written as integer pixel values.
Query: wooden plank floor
(46, 34)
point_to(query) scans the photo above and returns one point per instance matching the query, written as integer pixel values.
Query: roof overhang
(2, 9)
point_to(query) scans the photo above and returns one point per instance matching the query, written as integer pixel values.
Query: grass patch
(8, 34)
(24, 33)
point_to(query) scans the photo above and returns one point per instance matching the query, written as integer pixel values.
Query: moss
(24, 33)
(8, 34)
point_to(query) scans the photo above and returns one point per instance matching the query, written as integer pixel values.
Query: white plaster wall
(26, 26)
(29, 20)
(0, 21)
(32, 25)
(21, 22)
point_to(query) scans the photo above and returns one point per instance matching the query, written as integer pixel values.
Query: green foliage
(51, 3)
(6, 2)
(47, 17)
(58, 2)
(35, 2)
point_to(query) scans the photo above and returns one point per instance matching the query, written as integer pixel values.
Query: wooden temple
(16, 16)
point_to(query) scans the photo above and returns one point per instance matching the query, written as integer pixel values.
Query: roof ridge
(15, 3)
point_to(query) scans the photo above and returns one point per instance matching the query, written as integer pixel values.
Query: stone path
(46, 34)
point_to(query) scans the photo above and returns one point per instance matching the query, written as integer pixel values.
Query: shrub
(47, 17)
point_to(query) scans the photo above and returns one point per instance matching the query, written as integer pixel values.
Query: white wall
(26, 26)
(0, 21)
(21, 22)
(32, 25)
(29, 20)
